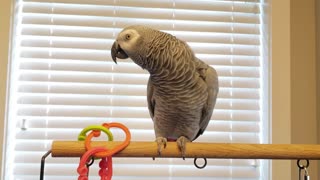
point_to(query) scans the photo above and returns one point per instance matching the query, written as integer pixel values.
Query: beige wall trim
(303, 78)
(5, 24)
(317, 8)
(280, 83)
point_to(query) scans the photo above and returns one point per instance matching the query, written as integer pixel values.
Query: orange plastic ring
(118, 148)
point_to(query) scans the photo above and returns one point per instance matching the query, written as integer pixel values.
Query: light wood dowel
(200, 150)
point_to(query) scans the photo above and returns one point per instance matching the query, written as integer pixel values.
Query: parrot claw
(162, 143)
(181, 141)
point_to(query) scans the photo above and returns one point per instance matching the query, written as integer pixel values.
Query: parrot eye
(128, 36)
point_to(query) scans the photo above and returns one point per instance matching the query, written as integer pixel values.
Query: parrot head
(128, 44)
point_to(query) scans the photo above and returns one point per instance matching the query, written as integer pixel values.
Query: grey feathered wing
(150, 99)
(210, 77)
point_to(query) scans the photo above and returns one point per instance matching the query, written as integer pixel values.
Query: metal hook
(200, 167)
(301, 166)
(43, 159)
(89, 163)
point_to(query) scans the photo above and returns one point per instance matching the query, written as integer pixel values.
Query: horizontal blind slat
(216, 60)
(161, 24)
(162, 171)
(121, 101)
(85, 111)
(118, 89)
(65, 35)
(131, 123)
(223, 6)
(56, 47)
(129, 79)
(71, 68)
(102, 54)
(137, 135)
(31, 157)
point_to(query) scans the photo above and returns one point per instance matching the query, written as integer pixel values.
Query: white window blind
(63, 79)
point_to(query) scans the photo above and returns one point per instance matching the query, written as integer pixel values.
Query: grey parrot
(182, 90)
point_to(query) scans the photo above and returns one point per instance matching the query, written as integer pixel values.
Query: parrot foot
(162, 143)
(181, 141)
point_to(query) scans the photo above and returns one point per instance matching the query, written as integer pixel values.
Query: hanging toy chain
(303, 168)
(83, 169)
(104, 153)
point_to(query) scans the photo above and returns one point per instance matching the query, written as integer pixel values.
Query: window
(63, 79)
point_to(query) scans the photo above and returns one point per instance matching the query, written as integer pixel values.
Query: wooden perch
(199, 150)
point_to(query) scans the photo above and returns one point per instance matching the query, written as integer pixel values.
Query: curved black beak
(117, 52)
